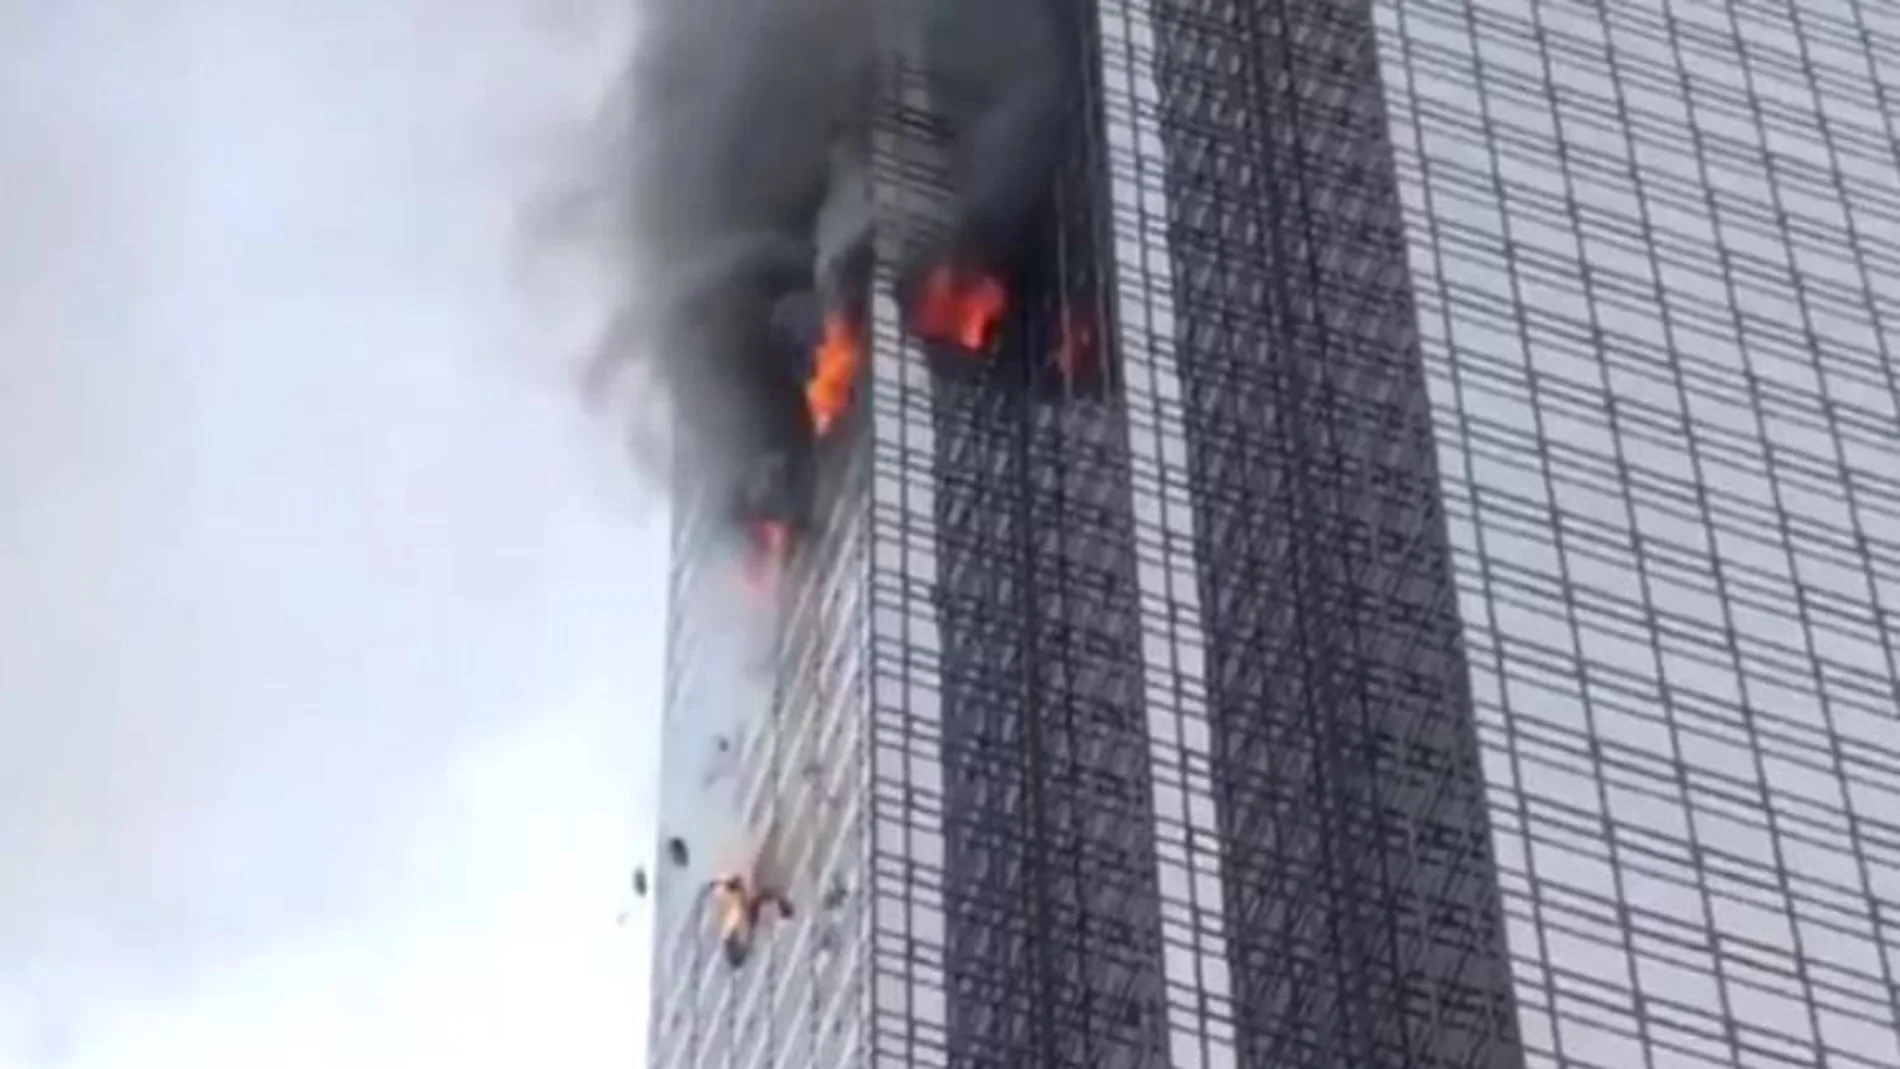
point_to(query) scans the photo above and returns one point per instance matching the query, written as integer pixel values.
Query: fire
(730, 899)
(834, 373)
(739, 908)
(771, 548)
(961, 307)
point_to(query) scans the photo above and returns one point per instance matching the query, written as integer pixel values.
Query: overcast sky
(328, 628)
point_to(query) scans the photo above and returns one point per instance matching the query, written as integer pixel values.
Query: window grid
(1648, 255)
(1020, 925)
(798, 766)
(1361, 899)
(1196, 962)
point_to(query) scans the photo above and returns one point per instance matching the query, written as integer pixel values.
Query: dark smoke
(747, 197)
(750, 122)
(1004, 78)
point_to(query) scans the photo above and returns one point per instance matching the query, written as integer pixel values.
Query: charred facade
(748, 189)
(999, 274)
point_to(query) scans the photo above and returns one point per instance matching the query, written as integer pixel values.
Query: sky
(329, 643)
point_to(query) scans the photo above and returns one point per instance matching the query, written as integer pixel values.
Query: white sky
(328, 623)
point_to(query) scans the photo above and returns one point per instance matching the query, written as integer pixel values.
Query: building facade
(1654, 253)
(1466, 634)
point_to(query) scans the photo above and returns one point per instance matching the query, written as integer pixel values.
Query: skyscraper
(1466, 635)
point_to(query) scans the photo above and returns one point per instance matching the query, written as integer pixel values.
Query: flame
(738, 905)
(961, 307)
(733, 914)
(771, 548)
(834, 373)
(730, 907)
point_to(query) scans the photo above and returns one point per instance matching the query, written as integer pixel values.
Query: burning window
(835, 368)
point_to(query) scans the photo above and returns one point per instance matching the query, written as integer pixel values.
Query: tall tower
(1141, 717)
(1464, 635)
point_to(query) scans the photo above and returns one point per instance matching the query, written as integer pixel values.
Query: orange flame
(962, 308)
(834, 373)
(732, 908)
(771, 548)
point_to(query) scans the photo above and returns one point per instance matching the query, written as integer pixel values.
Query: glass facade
(1349, 811)
(1655, 248)
(1465, 634)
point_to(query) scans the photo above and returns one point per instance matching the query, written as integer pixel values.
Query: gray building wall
(1655, 246)
(790, 694)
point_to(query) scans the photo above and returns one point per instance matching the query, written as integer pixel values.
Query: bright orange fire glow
(834, 373)
(729, 896)
(961, 308)
(771, 548)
